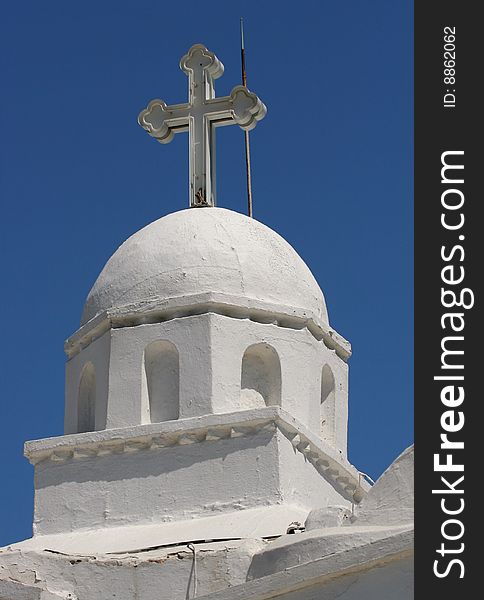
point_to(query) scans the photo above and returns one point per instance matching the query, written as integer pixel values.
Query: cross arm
(242, 106)
(162, 121)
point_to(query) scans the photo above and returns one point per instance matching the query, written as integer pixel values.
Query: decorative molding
(210, 428)
(247, 108)
(213, 65)
(158, 311)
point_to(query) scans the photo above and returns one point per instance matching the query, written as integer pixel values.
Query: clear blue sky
(332, 173)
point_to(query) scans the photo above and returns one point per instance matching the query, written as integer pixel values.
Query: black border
(439, 129)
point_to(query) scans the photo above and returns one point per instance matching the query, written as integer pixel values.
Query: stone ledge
(174, 308)
(239, 523)
(395, 547)
(326, 459)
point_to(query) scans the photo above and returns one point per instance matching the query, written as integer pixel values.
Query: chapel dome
(201, 250)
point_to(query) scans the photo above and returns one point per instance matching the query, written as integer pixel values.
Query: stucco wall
(390, 582)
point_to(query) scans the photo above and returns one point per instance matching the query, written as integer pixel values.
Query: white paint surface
(213, 373)
(216, 395)
(354, 562)
(364, 572)
(393, 581)
(391, 499)
(208, 250)
(186, 469)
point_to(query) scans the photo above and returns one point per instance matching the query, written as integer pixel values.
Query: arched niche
(86, 401)
(162, 381)
(261, 377)
(328, 405)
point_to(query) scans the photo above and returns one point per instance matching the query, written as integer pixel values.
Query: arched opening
(162, 381)
(86, 402)
(261, 377)
(328, 405)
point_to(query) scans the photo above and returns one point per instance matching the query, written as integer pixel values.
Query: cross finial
(200, 116)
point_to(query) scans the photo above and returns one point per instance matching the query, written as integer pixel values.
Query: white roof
(268, 521)
(205, 250)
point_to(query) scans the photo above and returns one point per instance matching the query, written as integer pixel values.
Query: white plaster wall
(301, 357)
(340, 371)
(191, 336)
(211, 348)
(168, 574)
(303, 484)
(166, 484)
(165, 574)
(177, 482)
(393, 581)
(98, 352)
(391, 499)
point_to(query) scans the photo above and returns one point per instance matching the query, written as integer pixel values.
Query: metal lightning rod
(246, 133)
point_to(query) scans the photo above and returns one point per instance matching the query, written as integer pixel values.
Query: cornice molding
(157, 311)
(209, 428)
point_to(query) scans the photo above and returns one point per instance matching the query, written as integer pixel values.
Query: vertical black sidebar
(449, 358)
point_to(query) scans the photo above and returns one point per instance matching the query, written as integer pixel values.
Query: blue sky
(332, 173)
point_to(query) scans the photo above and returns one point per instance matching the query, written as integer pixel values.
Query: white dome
(205, 250)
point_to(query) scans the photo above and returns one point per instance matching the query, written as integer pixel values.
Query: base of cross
(200, 200)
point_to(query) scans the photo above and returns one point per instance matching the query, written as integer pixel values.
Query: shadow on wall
(152, 463)
(86, 404)
(328, 405)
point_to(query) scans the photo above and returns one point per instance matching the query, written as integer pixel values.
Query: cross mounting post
(200, 116)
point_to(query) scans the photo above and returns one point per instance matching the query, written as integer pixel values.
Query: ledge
(241, 523)
(160, 310)
(318, 571)
(327, 460)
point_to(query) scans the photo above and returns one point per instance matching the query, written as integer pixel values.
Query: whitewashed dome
(201, 250)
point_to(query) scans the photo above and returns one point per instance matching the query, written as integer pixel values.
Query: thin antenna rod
(247, 142)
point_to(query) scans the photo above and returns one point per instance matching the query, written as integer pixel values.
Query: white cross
(200, 116)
